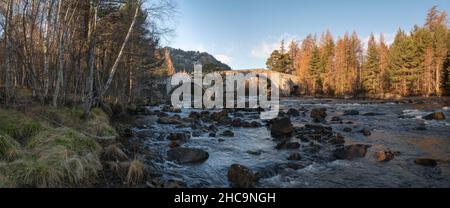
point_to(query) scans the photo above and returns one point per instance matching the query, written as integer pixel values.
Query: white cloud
(224, 58)
(266, 47)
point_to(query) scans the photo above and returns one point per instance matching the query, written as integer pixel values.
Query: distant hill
(184, 61)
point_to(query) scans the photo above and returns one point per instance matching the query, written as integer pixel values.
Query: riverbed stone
(351, 113)
(438, 116)
(228, 133)
(365, 132)
(319, 114)
(240, 176)
(351, 152)
(287, 145)
(187, 155)
(179, 136)
(384, 156)
(293, 112)
(295, 156)
(426, 162)
(281, 127)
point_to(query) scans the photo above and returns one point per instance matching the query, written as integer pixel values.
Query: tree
(280, 61)
(404, 70)
(372, 70)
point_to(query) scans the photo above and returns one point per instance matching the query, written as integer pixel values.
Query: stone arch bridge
(287, 83)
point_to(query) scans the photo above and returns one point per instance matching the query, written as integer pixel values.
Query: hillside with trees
(184, 61)
(417, 63)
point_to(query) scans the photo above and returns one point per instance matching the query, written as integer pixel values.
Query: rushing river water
(394, 126)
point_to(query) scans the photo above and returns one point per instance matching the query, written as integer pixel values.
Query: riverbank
(57, 147)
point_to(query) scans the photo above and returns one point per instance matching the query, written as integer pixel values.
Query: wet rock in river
(237, 123)
(347, 129)
(293, 112)
(175, 120)
(351, 113)
(228, 133)
(187, 155)
(319, 114)
(350, 152)
(241, 177)
(438, 116)
(287, 145)
(171, 109)
(194, 115)
(295, 156)
(179, 136)
(281, 127)
(373, 114)
(426, 162)
(384, 156)
(218, 116)
(337, 140)
(174, 144)
(336, 119)
(254, 152)
(366, 132)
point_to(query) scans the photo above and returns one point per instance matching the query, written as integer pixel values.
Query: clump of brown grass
(9, 148)
(136, 173)
(114, 153)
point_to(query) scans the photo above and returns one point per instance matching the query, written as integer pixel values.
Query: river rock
(319, 114)
(366, 132)
(241, 177)
(350, 152)
(219, 116)
(237, 123)
(438, 116)
(293, 112)
(281, 127)
(287, 145)
(175, 120)
(187, 155)
(178, 136)
(295, 156)
(351, 113)
(228, 133)
(426, 162)
(174, 144)
(384, 156)
(347, 129)
(194, 115)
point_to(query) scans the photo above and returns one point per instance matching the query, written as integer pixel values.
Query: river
(396, 126)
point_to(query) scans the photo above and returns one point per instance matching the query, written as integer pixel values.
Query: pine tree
(371, 71)
(404, 66)
(316, 71)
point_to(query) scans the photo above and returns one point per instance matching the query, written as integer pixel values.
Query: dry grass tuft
(114, 153)
(136, 173)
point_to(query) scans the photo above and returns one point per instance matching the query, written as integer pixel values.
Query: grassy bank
(57, 147)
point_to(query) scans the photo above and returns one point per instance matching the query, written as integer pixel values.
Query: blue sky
(242, 33)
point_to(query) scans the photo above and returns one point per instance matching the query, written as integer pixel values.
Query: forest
(417, 63)
(80, 52)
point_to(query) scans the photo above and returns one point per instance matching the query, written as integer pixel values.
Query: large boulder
(319, 114)
(241, 177)
(281, 127)
(350, 152)
(219, 116)
(439, 116)
(187, 155)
